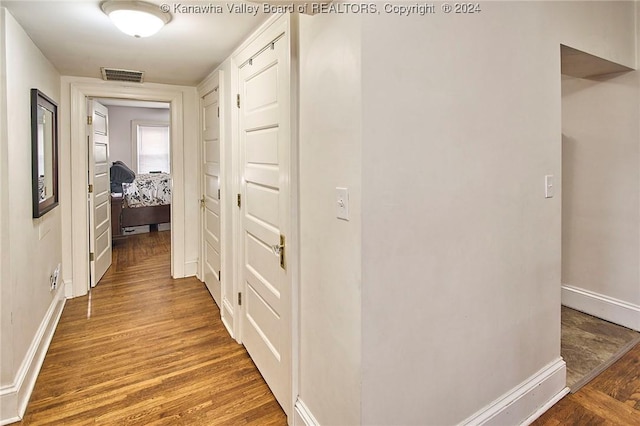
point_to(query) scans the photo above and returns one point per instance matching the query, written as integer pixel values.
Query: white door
(99, 192)
(211, 197)
(265, 215)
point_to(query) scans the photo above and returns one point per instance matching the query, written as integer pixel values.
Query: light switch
(549, 189)
(342, 203)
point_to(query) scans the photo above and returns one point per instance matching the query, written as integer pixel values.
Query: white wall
(444, 134)
(120, 142)
(601, 186)
(461, 251)
(31, 248)
(330, 248)
(6, 372)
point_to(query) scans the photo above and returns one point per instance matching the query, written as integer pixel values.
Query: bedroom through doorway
(140, 182)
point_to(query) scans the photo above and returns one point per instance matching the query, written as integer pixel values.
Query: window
(151, 147)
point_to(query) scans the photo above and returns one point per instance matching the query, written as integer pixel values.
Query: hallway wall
(601, 196)
(120, 117)
(330, 248)
(461, 250)
(452, 258)
(30, 248)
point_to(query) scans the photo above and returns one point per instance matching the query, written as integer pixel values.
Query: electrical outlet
(53, 279)
(342, 203)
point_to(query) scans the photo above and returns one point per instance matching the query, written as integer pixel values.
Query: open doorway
(183, 127)
(600, 209)
(138, 158)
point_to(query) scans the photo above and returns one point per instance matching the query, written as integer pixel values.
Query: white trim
(191, 268)
(73, 131)
(264, 28)
(294, 193)
(226, 307)
(68, 289)
(601, 306)
(527, 401)
(303, 416)
(540, 411)
(233, 179)
(210, 82)
(15, 397)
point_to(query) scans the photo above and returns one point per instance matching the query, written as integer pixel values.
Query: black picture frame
(44, 153)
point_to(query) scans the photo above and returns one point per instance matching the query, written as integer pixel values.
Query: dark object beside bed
(120, 173)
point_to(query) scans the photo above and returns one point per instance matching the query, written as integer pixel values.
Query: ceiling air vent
(113, 74)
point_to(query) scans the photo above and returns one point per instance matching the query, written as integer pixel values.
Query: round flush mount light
(136, 18)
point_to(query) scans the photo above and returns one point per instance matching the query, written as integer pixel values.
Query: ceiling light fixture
(136, 18)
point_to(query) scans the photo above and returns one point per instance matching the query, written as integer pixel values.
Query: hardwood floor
(612, 398)
(144, 349)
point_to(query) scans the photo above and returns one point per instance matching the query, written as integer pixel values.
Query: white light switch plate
(342, 203)
(549, 189)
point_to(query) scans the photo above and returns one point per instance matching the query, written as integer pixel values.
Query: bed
(147, 200)
(138, 200)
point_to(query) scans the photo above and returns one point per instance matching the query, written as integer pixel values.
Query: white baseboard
(525, 403)
(14, 398)
(302, 416)
(68, 289)
(191, 268)
(601, 306)
(227, 312)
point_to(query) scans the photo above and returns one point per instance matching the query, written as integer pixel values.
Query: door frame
(78, 226)
(273, 27)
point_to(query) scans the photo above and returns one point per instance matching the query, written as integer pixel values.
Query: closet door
(264, 204)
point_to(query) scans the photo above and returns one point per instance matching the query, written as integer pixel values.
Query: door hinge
(220, 276)
(89, 120)
(238, 100)
(239, 200)
(218, 194)
(90, 188)
(91, 257)
(282, 247)
(239, 299)
(218, 112)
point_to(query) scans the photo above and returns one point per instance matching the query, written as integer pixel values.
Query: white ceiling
(78, 39)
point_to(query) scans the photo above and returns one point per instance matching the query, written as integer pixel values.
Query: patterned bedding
(147, 190)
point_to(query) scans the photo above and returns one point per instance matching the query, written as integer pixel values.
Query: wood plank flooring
(144, 349)
(612, 398)
(589, 345)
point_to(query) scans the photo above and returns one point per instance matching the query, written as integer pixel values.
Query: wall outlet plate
(549, 189)
(342, 203)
